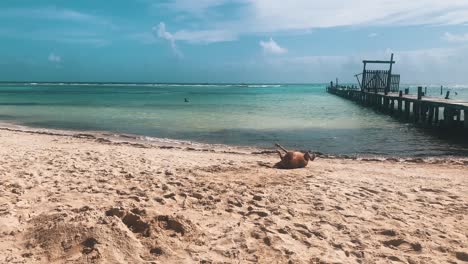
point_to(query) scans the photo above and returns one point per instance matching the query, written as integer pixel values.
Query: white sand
(81, 200)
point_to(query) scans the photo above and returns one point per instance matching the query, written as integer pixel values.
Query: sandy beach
(85, 199)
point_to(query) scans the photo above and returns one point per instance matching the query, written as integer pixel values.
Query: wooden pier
(427, 111)
(380, 90)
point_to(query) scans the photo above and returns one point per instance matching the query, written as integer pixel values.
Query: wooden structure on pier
(380, 90)
(379, 81)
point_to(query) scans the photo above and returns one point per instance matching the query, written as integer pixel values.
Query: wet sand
(85, 199)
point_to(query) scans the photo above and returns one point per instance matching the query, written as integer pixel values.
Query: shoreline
(107, 137)
(78, 198)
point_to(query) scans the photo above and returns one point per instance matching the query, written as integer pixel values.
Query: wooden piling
(448, 117)
(399, 107)
(430, 118)
(385, 104)
(423, 112)
(465, 116)
(419, 92)
(407, 109)
(392, 106)
(416, 111)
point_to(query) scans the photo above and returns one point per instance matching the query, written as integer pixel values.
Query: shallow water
(297, 116)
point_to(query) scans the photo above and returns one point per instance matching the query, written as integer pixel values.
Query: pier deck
(435, 100)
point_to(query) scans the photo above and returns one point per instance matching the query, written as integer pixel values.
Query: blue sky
(231, 41)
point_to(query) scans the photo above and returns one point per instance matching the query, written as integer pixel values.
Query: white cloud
(61, 36)
(455, 37)
(198, 7)
(201, 36)
(53, 13)
(54, 58)
(75, 27)
(205, 36)
(272, 47)
(435, 65)
(260, 16)
(161, 32)
(272, 15)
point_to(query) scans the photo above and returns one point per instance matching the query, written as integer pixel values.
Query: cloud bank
(455, 37)
(162, 33)
(272, 47)
(262, 16)
(54, 58)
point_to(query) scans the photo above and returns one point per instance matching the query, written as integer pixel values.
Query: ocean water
(296, 116)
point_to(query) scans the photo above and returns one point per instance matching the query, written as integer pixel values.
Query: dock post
(385, 103)
(448, 117)
(399, 107)
(436, 120)
(400, 102)
(406, 90)
(378, 101)
(441, 89)
(445, 114)
(416, 106)
(419, 92)
(425, 91)
(423, 112)
(431, 115)
(407, 109)
(447, 95)
(392, 106)
(465, 117)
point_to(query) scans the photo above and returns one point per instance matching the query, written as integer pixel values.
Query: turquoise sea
(297, 116)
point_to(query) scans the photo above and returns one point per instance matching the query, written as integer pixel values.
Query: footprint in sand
(402, 244)
(388, 232)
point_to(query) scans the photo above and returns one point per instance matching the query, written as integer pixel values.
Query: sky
(237, 41)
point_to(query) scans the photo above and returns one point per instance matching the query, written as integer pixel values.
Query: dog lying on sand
(293, 159)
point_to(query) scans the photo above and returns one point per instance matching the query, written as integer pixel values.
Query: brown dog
(293, 159)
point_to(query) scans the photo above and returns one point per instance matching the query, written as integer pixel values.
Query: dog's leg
(279, 153)
(312, 157)
(279, 146)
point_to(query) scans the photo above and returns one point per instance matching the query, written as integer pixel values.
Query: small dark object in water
(186, 100)
(293, 159)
